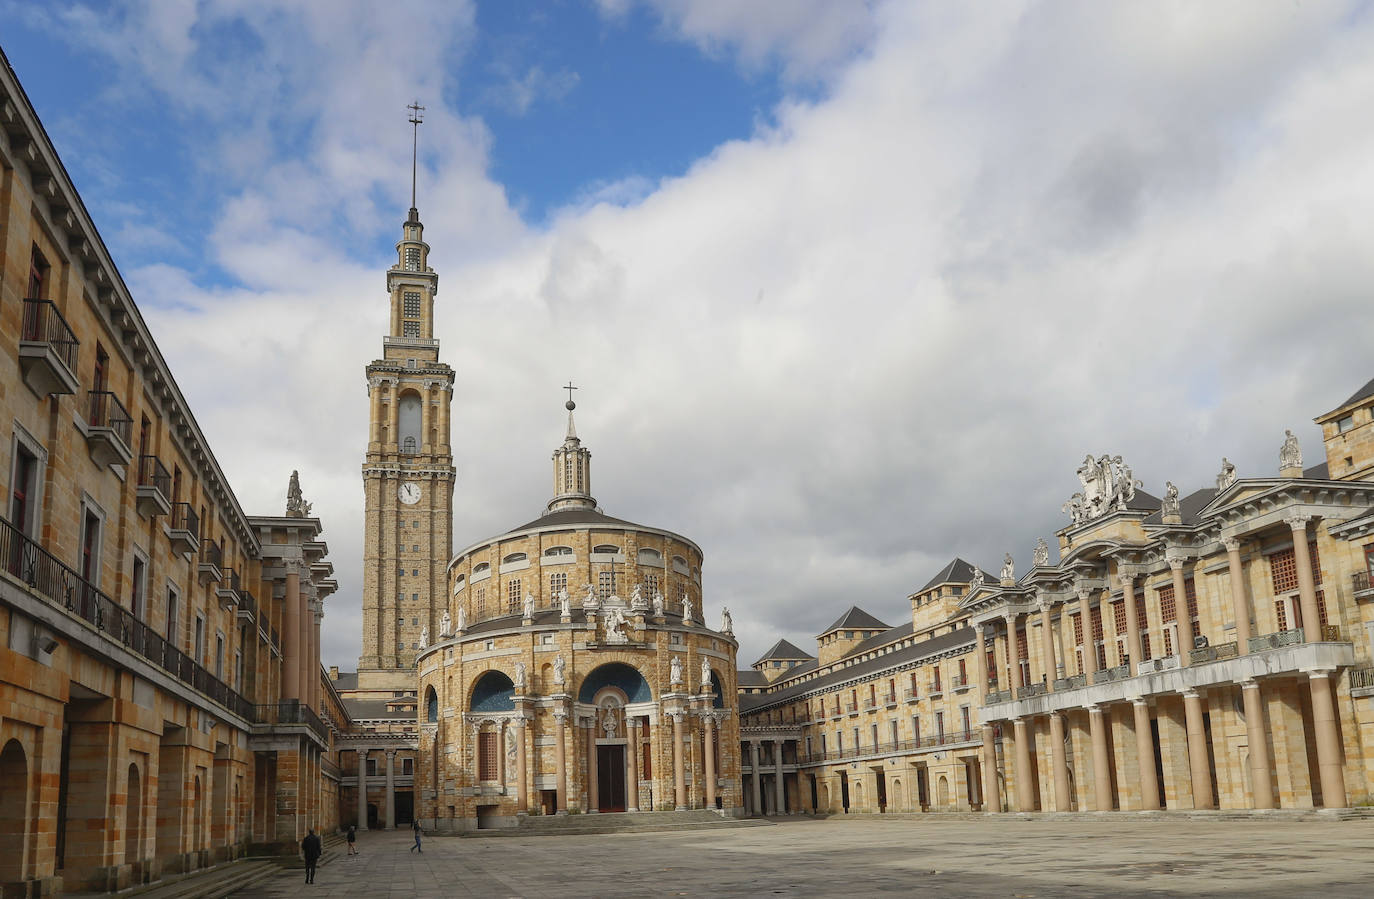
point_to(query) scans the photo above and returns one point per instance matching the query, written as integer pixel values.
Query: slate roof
(783, 651)
(964, 635)
(573, 516)
(956, 572)
(748, 677)
(347, 680)
(856, 619)
(1363, 393)
(890, 635)
(1319, 472)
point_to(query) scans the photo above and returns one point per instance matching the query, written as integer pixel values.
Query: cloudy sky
(850, 288)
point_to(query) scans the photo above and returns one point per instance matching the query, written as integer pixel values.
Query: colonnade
(779, 774)
(302, 613)
(386, 815)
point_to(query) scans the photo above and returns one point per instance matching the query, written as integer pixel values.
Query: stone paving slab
(1117, 856)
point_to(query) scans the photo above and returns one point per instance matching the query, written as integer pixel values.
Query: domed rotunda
(573, 672)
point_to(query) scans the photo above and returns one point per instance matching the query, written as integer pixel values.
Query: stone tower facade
(408, 475)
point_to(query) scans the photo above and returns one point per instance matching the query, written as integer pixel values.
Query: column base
(631, 809)
(681, 808)
(593, 811)
(561, 813)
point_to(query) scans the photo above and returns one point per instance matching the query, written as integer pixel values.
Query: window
(24, 498)
(198, 647)
(414, 572)
(408, 446)
(894, 731)
(649, 586)
(138, 586)
(875, 735)
(940, 726)
(481, 569)
(557, 584)
(219, 656)
(606, 548)
(410, 329)
(513, 558)
(90, 545)
(414, 622)
(412, 259)
(414, 597)
(916, 728)
(486, 756)
(482, 601)
(238, 670)
(371, 767)
(100, 377)
(513, 596)
(172, 602)
(38, 275)
(410, 304)
(968, 724)
(558, 551)
(650, 557)
(605, 584)
(407, 767)
(1345, 424)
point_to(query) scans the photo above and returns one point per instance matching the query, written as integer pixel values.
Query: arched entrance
(14, 803)
(609, 689)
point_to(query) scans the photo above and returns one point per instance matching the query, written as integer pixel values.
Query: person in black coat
(312, 848)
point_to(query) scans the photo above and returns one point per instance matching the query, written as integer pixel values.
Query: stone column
(754, 787)
(1240, 602)
(632, 762)
(362, 789)
(560, 760)
(1145, 752)
(1062, 801)
(1102, 772)
(291, 633)
(1328, 740)
(390, 789)
(780, 794)
(980, 663)
(1261, 786)
(1047, 642)
(1198, 767)
(1307, 588)
(709, 754)
(1181, 614)
(425, 420)
(522, 789)
(679, 771)
(1133, 646)
(1025, 796)
(1014, 678)
(992, 800)
(374, 397)
(593, 786)
(1086, 619)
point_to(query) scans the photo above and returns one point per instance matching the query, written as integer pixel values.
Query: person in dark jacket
(312, 848)
(352, 839)
(415, 826)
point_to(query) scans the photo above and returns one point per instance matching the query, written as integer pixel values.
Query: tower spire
(572, 467)
(417, 116)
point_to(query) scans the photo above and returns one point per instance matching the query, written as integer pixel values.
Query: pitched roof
(347, 680)
(956, 572)
(1188, 507)
(1363, 393)
(891, 635)
(376, 708)
(964, 635)
(748, 677)
(856, 619)
(783, 651)
(1319, 472)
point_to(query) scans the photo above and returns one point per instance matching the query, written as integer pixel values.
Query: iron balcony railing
(290, 711)
(211, 554)
(1275, 640)
(934, 688)
(890, 699)
(1214, 653)
(62, 586)
(184, 519)
(909, 695)
(853, 708)
(870, 704)
(958, 681)
(248, 602)
(44, 324)
(104, 410)
(152, 473)
(1361, 677)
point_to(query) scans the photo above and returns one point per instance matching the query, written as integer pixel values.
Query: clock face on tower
(408, 493)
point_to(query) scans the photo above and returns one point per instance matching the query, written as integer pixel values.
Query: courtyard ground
(1117, 856)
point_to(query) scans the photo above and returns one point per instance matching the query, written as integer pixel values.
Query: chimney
(333, 672)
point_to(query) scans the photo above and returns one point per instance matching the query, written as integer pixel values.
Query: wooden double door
(610, 778)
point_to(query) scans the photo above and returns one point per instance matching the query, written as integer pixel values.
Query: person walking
(352, 839)
(312, 849)
(415, 826)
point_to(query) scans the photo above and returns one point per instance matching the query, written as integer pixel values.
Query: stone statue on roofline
(564, 604)
(1290, 456)
(675, 672)
(520, 677)
(977, 581)
(1042, 553)
(424, 637)
(296, 506)
(1008, 568)
(529, 605)
(705, 675)
(727, 624)
(1170, 504)
(658, 603)
(1228, 474)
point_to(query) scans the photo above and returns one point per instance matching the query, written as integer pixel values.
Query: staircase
(616, 822)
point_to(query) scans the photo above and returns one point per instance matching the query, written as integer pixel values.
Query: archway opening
(624, 677)
(133, 817)
(14, 801)
(493, 692)
(431, 706)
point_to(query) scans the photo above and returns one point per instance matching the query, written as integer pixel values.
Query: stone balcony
(1287, 659)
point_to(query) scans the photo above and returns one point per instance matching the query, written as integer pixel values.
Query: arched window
(481, 568)
(408, 420)
(606, 548)
(514, 557)
(650, 557)
(431, 706)
(558, 551)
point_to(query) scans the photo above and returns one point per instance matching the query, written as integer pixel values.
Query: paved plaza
(1115, 856)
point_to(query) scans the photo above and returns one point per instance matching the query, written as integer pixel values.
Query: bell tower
(408, 474)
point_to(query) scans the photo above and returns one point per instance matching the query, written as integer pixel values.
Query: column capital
(1316, 673)
(1093, 708)
(1010, 618)
(1140, 701)
(1084, 592)
(390, 754)
(1249, 683)
(1297, 521)
(1176, 558)
(1126, 577)
(1042, 600)
(1232, 544)
(1188, 693)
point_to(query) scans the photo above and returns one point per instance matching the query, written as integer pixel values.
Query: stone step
(616, 822)
(208, 883)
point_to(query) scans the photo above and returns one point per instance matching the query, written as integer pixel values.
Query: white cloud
(876, 335)
(515, 94)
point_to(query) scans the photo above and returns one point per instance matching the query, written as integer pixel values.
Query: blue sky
(849, 288)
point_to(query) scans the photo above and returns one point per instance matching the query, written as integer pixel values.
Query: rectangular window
(875, 735)
(648, 766)
(648, 586)
(893, 728)
(605, 584)
(414, 597)
(410, 304)
(481, 601)
(219, 656)
(513, 597)
(916, 728)
(199, 645)
(968, 724)
(557, 584)
(24, 496)
(407, 767)
(410, 329)
(371, 767)
(172, 634)
(38, 275)
(138, 587)
(412, 259)
(940, 726)
(90, 546)
(1345, 424)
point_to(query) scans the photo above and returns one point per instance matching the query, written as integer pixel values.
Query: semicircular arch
(615, 674)
(493, 692)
